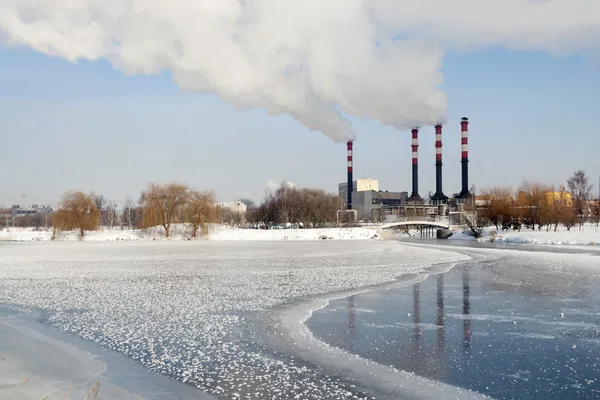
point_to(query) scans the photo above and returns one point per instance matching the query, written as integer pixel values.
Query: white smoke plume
(307, 58)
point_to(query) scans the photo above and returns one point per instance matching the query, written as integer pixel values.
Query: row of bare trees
(535, 205)
(160, 205)
(302, 207)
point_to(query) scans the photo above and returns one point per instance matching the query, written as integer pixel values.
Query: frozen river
(521, 326)
(223, 318)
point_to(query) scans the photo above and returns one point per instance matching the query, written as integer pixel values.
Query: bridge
(428, 226)
(416, 223)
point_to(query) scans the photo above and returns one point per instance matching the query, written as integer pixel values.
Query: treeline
(288, 205)
(159, 205)
(538, 206)
(170, 204)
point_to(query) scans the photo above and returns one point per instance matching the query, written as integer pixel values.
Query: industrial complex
(371, 203)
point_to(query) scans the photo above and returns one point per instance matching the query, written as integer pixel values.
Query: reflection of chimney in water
(416, 315)
(466, 310)
(440, 312)
(351, 312)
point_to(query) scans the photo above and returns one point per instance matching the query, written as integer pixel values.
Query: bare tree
(560, 211)
(200, 211)
(100, 202)
(128, 210)
(473, 221)
(110, 214)
(162, 204)
(499, 207)
(532, 199)
(581, 191)
(77, 210)
(595, 211)
(231, 217)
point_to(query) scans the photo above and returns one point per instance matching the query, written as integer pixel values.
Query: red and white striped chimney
(464, 135)
(350, 180)
(438, 143)
(439, 197)
(414, 197)
(415, 146)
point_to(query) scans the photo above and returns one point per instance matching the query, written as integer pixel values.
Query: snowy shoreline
(588, 236)
(182, 232)
(38, 361)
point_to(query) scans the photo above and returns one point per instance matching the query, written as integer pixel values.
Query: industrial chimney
(464, 128)
(414, 197)
(350, 180)
(439, 197)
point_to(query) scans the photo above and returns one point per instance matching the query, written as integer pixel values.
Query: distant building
(235, 206)
(17, 211)
(524, 198)
(369, 204)
(359, 185)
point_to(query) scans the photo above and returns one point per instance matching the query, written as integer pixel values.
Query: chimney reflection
(416, 316)
(351, 312)
(466, 310)
(440, 312)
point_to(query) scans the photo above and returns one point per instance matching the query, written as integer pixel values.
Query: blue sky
(86, 126)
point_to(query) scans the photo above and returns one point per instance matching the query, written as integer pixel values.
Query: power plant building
(369, 201)
(359, 185)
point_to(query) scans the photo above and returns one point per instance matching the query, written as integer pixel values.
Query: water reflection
(462, 329)
(416, 317)
(466, 311)
(440, 314)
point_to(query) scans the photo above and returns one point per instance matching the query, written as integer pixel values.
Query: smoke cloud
(311, 59)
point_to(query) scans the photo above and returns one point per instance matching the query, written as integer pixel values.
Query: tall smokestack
(464, 134)
(439, 197)
(414, 197)
(350, 180)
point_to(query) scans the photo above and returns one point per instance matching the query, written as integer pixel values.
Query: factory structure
(370, 202)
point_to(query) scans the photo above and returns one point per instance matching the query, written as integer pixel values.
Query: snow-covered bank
(186, 310)
(180, 232)
(589, 235)
(37, 362)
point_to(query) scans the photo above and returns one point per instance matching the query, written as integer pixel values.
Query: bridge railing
(408, 218)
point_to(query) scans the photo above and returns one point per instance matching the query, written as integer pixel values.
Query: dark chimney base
(439, 198)
(415, 199)
(464, 193)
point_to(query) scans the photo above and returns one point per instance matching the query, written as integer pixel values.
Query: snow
(202, 312)
(182, 232)
(588, 235)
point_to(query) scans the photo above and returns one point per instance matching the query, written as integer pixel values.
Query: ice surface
(200, 312)
(483, 325)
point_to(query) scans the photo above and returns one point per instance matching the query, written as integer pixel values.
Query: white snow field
(205, 312)
(182, 232)
(588, 235)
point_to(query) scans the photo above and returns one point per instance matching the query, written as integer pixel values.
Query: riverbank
(39, 362)
(587, 235)
(184, 232)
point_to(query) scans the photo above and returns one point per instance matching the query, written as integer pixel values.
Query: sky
(88, 126)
